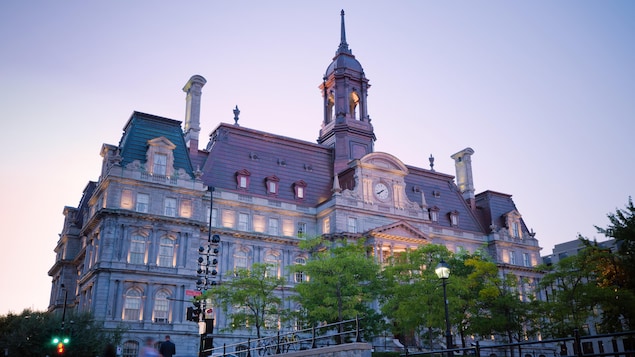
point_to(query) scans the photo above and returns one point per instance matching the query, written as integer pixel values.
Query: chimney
(192, 125)
(464, 180)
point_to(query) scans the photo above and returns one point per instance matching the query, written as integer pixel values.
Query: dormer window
(242, 179)
(160, 156)
(434, 214)
(454, 218)
(299, 189)
(512, 219)
(272, 183)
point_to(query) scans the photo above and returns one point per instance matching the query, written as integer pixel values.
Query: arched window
(353, 102)
(166, 252)
(240, 260)
(161, 307)
(130, 349)
(132, 305)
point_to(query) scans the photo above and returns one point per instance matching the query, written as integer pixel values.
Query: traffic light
(60, 344)
(193, 313)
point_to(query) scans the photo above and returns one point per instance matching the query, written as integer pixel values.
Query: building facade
(129, 251)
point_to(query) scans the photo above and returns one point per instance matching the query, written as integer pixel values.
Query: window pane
(170, 207)
(143, 202)
(161, 307)
(301, 229)
(160, 164)
(132, 305)
(273, 226)
(166, 252)
(137, 250)
(130, 349)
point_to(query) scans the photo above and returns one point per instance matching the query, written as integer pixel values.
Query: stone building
(128, 252)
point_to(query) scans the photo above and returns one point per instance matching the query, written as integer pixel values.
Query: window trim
(241, 175)
(272, 185)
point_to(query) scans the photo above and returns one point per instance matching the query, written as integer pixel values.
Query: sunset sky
(543, 91)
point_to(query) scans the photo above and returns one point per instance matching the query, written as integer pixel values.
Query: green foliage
(249, 298)
(619, 273)
(342, 283)
(31, 334)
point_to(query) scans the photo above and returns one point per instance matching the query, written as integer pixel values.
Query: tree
(620, 273)
(411, 298)
(31, 334)
(250, 298)
(343, 282)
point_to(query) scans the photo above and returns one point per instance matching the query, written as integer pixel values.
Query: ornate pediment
(400, 231)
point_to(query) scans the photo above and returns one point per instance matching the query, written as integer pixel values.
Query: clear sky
(543, 91)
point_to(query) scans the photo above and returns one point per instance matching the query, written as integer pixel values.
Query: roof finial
(236, 114)
(343, 45)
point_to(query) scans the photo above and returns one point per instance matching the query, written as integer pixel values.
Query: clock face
(381, 191)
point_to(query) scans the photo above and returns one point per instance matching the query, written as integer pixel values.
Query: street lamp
(443, 272)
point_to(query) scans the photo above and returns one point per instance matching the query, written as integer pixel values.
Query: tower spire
(343, 45)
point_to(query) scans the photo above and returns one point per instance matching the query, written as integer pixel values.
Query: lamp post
(443, 272)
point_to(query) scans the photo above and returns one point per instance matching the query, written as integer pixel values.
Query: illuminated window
(326, 225)
(186, 208)
(166, 252)
(160, 157)
(137, 252)
(170, 207)
(132, 305)
(126, 199)
(161, 307)
(143, 202)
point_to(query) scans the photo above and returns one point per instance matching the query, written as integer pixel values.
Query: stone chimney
(464, 180)
(192, 126)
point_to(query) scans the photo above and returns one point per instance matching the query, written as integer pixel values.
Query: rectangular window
(434, 216)
(516, 229)
(272, 186)
(186, 208)
(160, 164)
(526, 261)
(213, 218)
(326, 225)
(301, 229)
(143, 202)
(242, 181)
(273, 226)
(243, 222)
(126, 199)
(352, 224)
(300, 190)
(170, 207)
(512, 257)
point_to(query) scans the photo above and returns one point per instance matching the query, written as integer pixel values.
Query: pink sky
(542, 91)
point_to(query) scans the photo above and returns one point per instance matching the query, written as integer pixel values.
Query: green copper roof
(144, 127)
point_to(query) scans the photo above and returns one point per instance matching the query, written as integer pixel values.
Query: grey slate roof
(233, 148)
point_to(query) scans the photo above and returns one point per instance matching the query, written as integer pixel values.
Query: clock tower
(346, 125)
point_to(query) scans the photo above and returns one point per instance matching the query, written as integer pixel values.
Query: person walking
(148, 350)
(168, 348)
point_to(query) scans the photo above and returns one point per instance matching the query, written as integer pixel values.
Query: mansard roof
(142, 128)
(492, 208)
(233, 148)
